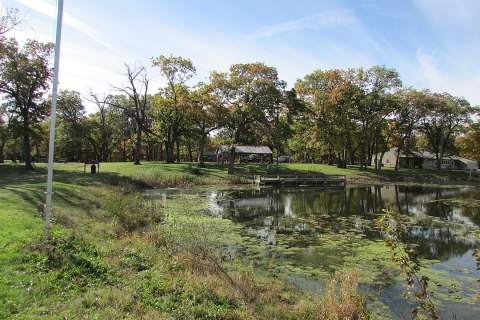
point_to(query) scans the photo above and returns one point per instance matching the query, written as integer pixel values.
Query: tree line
(338, 116)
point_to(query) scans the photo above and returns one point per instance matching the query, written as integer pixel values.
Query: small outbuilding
(209, 156)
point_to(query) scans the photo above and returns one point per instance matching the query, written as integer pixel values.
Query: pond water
(304, 235)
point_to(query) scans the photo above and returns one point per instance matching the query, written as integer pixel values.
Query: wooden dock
(301, 180)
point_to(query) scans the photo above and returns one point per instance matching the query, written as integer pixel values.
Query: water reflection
(305, 234)
(312, 212)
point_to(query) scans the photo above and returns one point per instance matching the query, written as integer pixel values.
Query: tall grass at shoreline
(115, 255)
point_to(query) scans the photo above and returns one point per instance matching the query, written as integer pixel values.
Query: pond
(304, 235)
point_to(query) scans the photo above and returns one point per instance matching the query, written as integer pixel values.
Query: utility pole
(277, 111)
(53, 116)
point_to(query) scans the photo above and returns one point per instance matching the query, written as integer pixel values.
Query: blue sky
(433, 44)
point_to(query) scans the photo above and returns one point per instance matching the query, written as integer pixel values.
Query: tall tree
(103, 124)
(207, 113)
(469, 143)
(331, 100)
(24, 79)
(277, 129)
(410, 110)
(137, 105)
(445, 117)
(376, 83)
(72, 129)
(123, 129)
(252, 93)
(171, 108)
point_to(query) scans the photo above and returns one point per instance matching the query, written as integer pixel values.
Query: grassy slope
(78, 197)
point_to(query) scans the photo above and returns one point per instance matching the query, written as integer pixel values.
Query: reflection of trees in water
(439, 242)
(472, 213)
(413, 201)
(309, 210)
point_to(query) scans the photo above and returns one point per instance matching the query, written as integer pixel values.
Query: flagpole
(53, 116)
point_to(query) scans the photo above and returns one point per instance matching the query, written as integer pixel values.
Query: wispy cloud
(50, 11)
(446, 13)
(456, 79)
(321, 20)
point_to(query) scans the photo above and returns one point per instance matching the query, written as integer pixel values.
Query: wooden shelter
(223, 151)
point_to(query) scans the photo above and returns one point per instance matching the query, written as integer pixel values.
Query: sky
(433, 44)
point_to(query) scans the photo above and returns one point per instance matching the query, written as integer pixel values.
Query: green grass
(160, 174)
(114, 256)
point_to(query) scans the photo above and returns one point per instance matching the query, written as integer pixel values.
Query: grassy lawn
(113, 254)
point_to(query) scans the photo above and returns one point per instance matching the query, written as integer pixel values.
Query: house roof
(428, 155)
(245, 149)
(465, 160)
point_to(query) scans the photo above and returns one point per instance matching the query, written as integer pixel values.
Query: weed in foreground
(404, 256)
(342, 299)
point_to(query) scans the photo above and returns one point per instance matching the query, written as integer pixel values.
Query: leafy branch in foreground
(476, 255)
(404, 256)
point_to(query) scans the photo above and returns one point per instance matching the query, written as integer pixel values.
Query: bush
(132, 212)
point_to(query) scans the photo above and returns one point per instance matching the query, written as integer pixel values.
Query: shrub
(132, 212)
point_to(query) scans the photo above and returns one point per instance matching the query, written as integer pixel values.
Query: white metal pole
(53, 116)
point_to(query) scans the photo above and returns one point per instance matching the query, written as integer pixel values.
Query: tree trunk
(440, 157)
(124, 150)
(380, 161)
(201, 147)
(397, 160)
(190, 154)
(26, 153)
(2, 157)
(363, 165)
(26, 144)
(371, 147)
(169, 146)
(178, 150)
(138, 146)
(231, 159)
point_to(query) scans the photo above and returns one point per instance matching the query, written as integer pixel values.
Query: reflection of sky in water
(282, 209)
(465, 305)
(266, 214)
(459, 218)
(288, 212)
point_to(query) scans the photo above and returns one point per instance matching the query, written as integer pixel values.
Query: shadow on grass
(18, 176)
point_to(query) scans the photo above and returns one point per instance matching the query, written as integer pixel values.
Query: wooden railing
(301, 180)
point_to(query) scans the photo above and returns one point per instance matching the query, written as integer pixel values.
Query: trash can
(93, 169)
